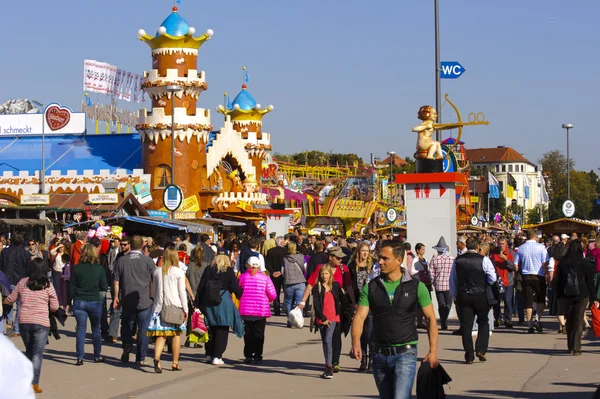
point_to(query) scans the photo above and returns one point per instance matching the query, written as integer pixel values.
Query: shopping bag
(595, 320)
(296, 318)
(196, 338)
(198, 324)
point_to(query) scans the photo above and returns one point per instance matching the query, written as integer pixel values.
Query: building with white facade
(502, 161)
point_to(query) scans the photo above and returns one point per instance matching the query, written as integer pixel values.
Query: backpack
(572, 284)
(213, 292)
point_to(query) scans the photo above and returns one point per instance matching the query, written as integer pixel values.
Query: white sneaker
(217, 362)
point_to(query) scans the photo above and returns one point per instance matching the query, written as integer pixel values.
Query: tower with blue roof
(216, 169)
(174, 63)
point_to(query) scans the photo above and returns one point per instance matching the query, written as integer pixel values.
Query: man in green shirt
(393, 298)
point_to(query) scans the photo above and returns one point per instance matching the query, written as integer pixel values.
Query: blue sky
(344, 76)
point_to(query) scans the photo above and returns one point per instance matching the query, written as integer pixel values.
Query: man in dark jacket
(469, 278)
(273, 263)
(15, 259)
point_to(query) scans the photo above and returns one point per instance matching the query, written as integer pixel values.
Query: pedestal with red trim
(430, 200)
(278, 220)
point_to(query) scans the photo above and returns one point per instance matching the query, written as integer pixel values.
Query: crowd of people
(374, 287)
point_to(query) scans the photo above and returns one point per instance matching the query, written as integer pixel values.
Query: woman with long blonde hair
(360, 265)
(214, 300)
(169, 291)
(327, 296)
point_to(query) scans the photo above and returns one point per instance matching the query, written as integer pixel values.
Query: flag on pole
(527, 187)
(246, 76)
(228, 103)
(494, 186)
(543, 192)
(511, 185)
(179, 1)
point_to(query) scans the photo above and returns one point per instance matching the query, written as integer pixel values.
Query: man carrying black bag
(469, 279)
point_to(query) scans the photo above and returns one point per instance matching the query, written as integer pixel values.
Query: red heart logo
(57, 117)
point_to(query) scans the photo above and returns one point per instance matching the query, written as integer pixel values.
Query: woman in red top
(36, 295)
(327, 297)
(342, 277)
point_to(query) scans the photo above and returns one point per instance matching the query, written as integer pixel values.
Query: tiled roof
(398, 161)
(495, 155)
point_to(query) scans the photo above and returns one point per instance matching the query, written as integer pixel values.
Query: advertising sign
(142, 192)
(159, 214)
(105, 198)
(172, 197)
(568, 208)
(35, 199)
(185, 215)
(55, 120)
(190, 204)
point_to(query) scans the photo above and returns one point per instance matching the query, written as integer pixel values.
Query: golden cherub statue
(427, 148)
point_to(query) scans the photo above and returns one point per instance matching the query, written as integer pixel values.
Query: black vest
(471, 279)
(394, 323)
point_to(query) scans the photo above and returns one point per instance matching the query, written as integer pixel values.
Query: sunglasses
(31, 244)
(124, 244)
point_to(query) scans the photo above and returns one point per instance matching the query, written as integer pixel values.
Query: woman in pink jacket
(258, 292)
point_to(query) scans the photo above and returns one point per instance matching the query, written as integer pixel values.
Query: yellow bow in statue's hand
(474, 119)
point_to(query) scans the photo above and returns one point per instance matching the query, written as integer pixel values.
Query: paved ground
(519, 366)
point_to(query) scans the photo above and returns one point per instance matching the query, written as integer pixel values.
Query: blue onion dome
(175, 25)
(244, 100)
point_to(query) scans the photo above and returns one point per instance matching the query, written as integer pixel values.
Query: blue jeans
(327, 339)
(82, 311)
(507, 298)
(395, 375)
(34, 338)
(129, 319)
(9, 317)
(293, 294)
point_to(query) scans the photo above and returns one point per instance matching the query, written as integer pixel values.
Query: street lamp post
(568, 126)
(391, 154)
(173, 89)
(390, 193)
(438, 90)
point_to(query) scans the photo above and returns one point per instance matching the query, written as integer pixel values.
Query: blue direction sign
(451, 70)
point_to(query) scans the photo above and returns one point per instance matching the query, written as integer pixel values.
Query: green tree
(583, 189)
(583, 193)
(478, 172)
(533, 215)
(595, 179)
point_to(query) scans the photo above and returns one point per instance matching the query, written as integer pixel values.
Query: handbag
(198, 323)
(171, 314)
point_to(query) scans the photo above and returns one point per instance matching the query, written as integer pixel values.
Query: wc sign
(451, 70)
